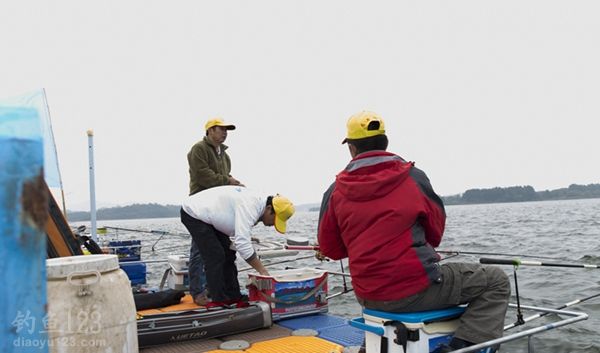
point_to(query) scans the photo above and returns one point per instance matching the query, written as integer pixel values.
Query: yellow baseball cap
(364, 124)
(218, 122)
(284, 209)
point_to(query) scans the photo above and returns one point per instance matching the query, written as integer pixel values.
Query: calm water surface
(566, 230)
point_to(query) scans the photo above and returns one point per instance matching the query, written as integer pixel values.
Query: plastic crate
(135, 271)
(126, 250)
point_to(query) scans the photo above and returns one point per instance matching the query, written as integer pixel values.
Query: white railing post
(90, 134)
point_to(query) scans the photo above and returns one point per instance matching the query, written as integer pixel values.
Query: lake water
(566, 230)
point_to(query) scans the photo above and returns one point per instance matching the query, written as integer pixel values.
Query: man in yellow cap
(209, 166)
(382, 213)
(208, 160)
(219, 220)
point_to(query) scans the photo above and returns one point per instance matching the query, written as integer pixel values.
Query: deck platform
(334, 335)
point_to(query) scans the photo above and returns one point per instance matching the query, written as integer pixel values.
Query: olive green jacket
(207, 168)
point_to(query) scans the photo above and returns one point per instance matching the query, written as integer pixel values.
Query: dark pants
(219, 259)
(196, 271)
(486, 290)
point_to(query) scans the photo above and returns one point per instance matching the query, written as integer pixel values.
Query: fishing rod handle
(490, 261)
(301, 247)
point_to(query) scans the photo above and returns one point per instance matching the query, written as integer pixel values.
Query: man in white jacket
(219, 220)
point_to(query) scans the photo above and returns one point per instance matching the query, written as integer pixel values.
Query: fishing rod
(305, 247)
(496, 254)
(334, 295)
(518, 262)
(343, 275)
(537, 316)
(301, 247)
(316, 248)
(150, 231)
(277, 262)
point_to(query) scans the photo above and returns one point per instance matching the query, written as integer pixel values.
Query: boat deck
(333, 335)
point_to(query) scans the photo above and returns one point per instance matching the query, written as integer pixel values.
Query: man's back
(383, 214)
(222, 205)
(386, 226)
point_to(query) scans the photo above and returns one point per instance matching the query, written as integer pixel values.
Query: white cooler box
(178, 275)
(416, 332)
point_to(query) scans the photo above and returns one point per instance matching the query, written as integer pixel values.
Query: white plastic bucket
(90, 306)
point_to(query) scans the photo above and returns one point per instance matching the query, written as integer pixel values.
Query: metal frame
(574, 317)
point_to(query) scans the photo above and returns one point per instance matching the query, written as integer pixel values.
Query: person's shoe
(202, 299)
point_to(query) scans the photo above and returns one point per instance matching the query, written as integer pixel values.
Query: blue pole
(23, 213)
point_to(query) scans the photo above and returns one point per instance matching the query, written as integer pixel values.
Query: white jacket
(232, 210)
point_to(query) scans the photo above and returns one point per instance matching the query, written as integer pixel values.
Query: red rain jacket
(383, 215)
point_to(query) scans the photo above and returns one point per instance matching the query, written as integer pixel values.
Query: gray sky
(478, 93)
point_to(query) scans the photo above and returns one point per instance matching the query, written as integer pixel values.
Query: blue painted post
(23, 213)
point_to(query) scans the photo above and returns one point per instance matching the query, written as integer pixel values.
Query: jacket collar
(207, 141)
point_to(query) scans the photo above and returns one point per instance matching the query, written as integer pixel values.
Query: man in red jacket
(382, 213)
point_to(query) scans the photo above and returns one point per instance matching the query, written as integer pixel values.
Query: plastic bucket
(90, 306)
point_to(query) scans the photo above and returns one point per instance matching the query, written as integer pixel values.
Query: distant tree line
(148, 210)
(471, 196)
(523, 193)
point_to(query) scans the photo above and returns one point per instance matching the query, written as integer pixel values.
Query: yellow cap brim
(228, 127)
(280, 224)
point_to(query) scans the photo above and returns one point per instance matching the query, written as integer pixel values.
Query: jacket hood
(372, 175)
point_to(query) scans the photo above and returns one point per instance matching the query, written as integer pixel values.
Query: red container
(291, 293)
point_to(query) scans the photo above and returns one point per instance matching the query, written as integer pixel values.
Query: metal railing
(574, 316)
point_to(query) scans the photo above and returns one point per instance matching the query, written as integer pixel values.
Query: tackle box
(291, 293)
